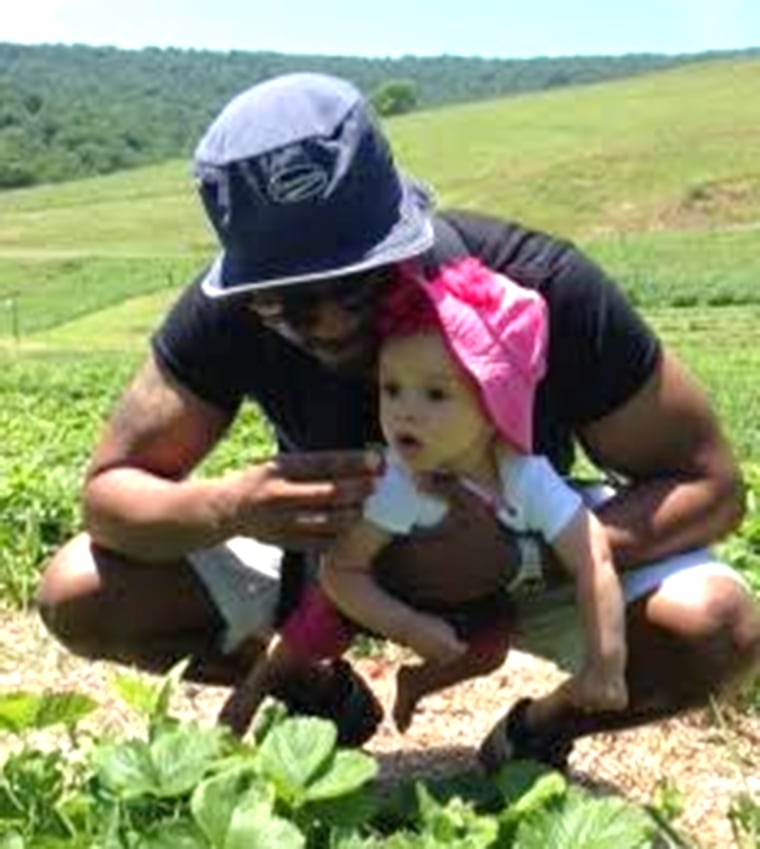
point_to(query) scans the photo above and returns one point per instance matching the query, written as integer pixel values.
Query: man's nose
(330, 320)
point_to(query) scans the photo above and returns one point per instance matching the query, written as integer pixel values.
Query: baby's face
(430, 413)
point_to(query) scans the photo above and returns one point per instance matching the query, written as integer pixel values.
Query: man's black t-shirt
(600, 350)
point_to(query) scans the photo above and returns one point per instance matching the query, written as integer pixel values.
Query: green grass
(57, 387)
(685, 268)
(38, 294)
(720, 346)
(659, 176)
(145, 212)
(666, 151)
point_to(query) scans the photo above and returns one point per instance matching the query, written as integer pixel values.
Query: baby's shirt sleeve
(544, 498)
(397, 505)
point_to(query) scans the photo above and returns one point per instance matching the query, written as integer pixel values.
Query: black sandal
(347, 700)
(511, 739)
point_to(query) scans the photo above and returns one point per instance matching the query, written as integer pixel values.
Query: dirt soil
(710, 757)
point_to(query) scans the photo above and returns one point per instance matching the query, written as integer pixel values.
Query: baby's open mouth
(408, 441)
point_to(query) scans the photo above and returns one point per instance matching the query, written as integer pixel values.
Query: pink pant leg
(316, 629)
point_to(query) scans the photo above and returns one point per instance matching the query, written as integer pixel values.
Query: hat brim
(411, 235)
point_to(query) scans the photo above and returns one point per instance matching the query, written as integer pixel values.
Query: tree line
(69, 111)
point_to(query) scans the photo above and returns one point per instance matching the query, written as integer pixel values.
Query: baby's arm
(583, 548)
(346, 577)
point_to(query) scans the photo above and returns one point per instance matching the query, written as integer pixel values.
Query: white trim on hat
(212, 289)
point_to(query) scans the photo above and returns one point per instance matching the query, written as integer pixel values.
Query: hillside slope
(663, 167)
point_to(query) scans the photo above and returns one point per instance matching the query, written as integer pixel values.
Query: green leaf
(347, 772)
(145, 696)
(215, 799)
(585, 823)
(181, 757)
(294, 752)
(267, 717)
(21, 711)
(172, 765)
(348, 811)
(64, 708)
(456, 823)
(351, 840)
(126, 768)
(253, 826)
(12, 840)
(527, 786)
(135, 690)
(166, 688)
(180, 834)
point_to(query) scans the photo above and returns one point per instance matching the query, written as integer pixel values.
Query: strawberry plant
(184, 786)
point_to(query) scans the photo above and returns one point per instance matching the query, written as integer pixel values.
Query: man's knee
(711, 628)
(701, 607)
(63, 593)
(730, 617)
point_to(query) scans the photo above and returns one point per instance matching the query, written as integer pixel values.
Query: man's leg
(100, 606)
(689, 640)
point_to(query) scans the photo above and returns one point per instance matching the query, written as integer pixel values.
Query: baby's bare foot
(407, 696)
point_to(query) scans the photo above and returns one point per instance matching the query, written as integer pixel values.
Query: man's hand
(141, 500)
(302, 501)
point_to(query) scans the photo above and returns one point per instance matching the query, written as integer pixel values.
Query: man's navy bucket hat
(299, 183)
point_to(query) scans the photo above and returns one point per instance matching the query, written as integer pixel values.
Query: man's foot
(406, 698)
(513, 739)
(237, 711)
(343, 697)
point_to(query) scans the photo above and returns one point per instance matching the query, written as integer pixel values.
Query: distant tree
(17, 165)
(70, 110)
(395, 97)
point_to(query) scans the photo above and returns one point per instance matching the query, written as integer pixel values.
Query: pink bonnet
(498, 332)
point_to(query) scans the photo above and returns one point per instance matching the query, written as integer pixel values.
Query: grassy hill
(658, 176)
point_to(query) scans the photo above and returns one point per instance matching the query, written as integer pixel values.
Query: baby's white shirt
(534, 498)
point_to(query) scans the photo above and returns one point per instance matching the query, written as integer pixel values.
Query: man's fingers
(298, 495)
(329, 464)
(325, 521)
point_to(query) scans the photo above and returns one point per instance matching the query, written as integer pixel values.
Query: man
(312, 215)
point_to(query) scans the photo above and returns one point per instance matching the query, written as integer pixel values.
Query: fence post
(11, 302)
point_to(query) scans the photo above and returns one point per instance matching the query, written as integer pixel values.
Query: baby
(460, 358)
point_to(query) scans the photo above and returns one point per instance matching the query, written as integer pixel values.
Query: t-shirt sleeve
(546, 501)
(205, 345)
(397, 505)
(601, 351)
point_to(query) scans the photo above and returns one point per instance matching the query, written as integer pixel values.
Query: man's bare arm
(133, 499)
(139, 500)
(686, 488)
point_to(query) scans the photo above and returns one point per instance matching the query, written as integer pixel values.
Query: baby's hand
(599, 687)
(432, 638)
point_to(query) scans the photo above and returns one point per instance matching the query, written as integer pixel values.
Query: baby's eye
(436, 394)
(390, 389)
